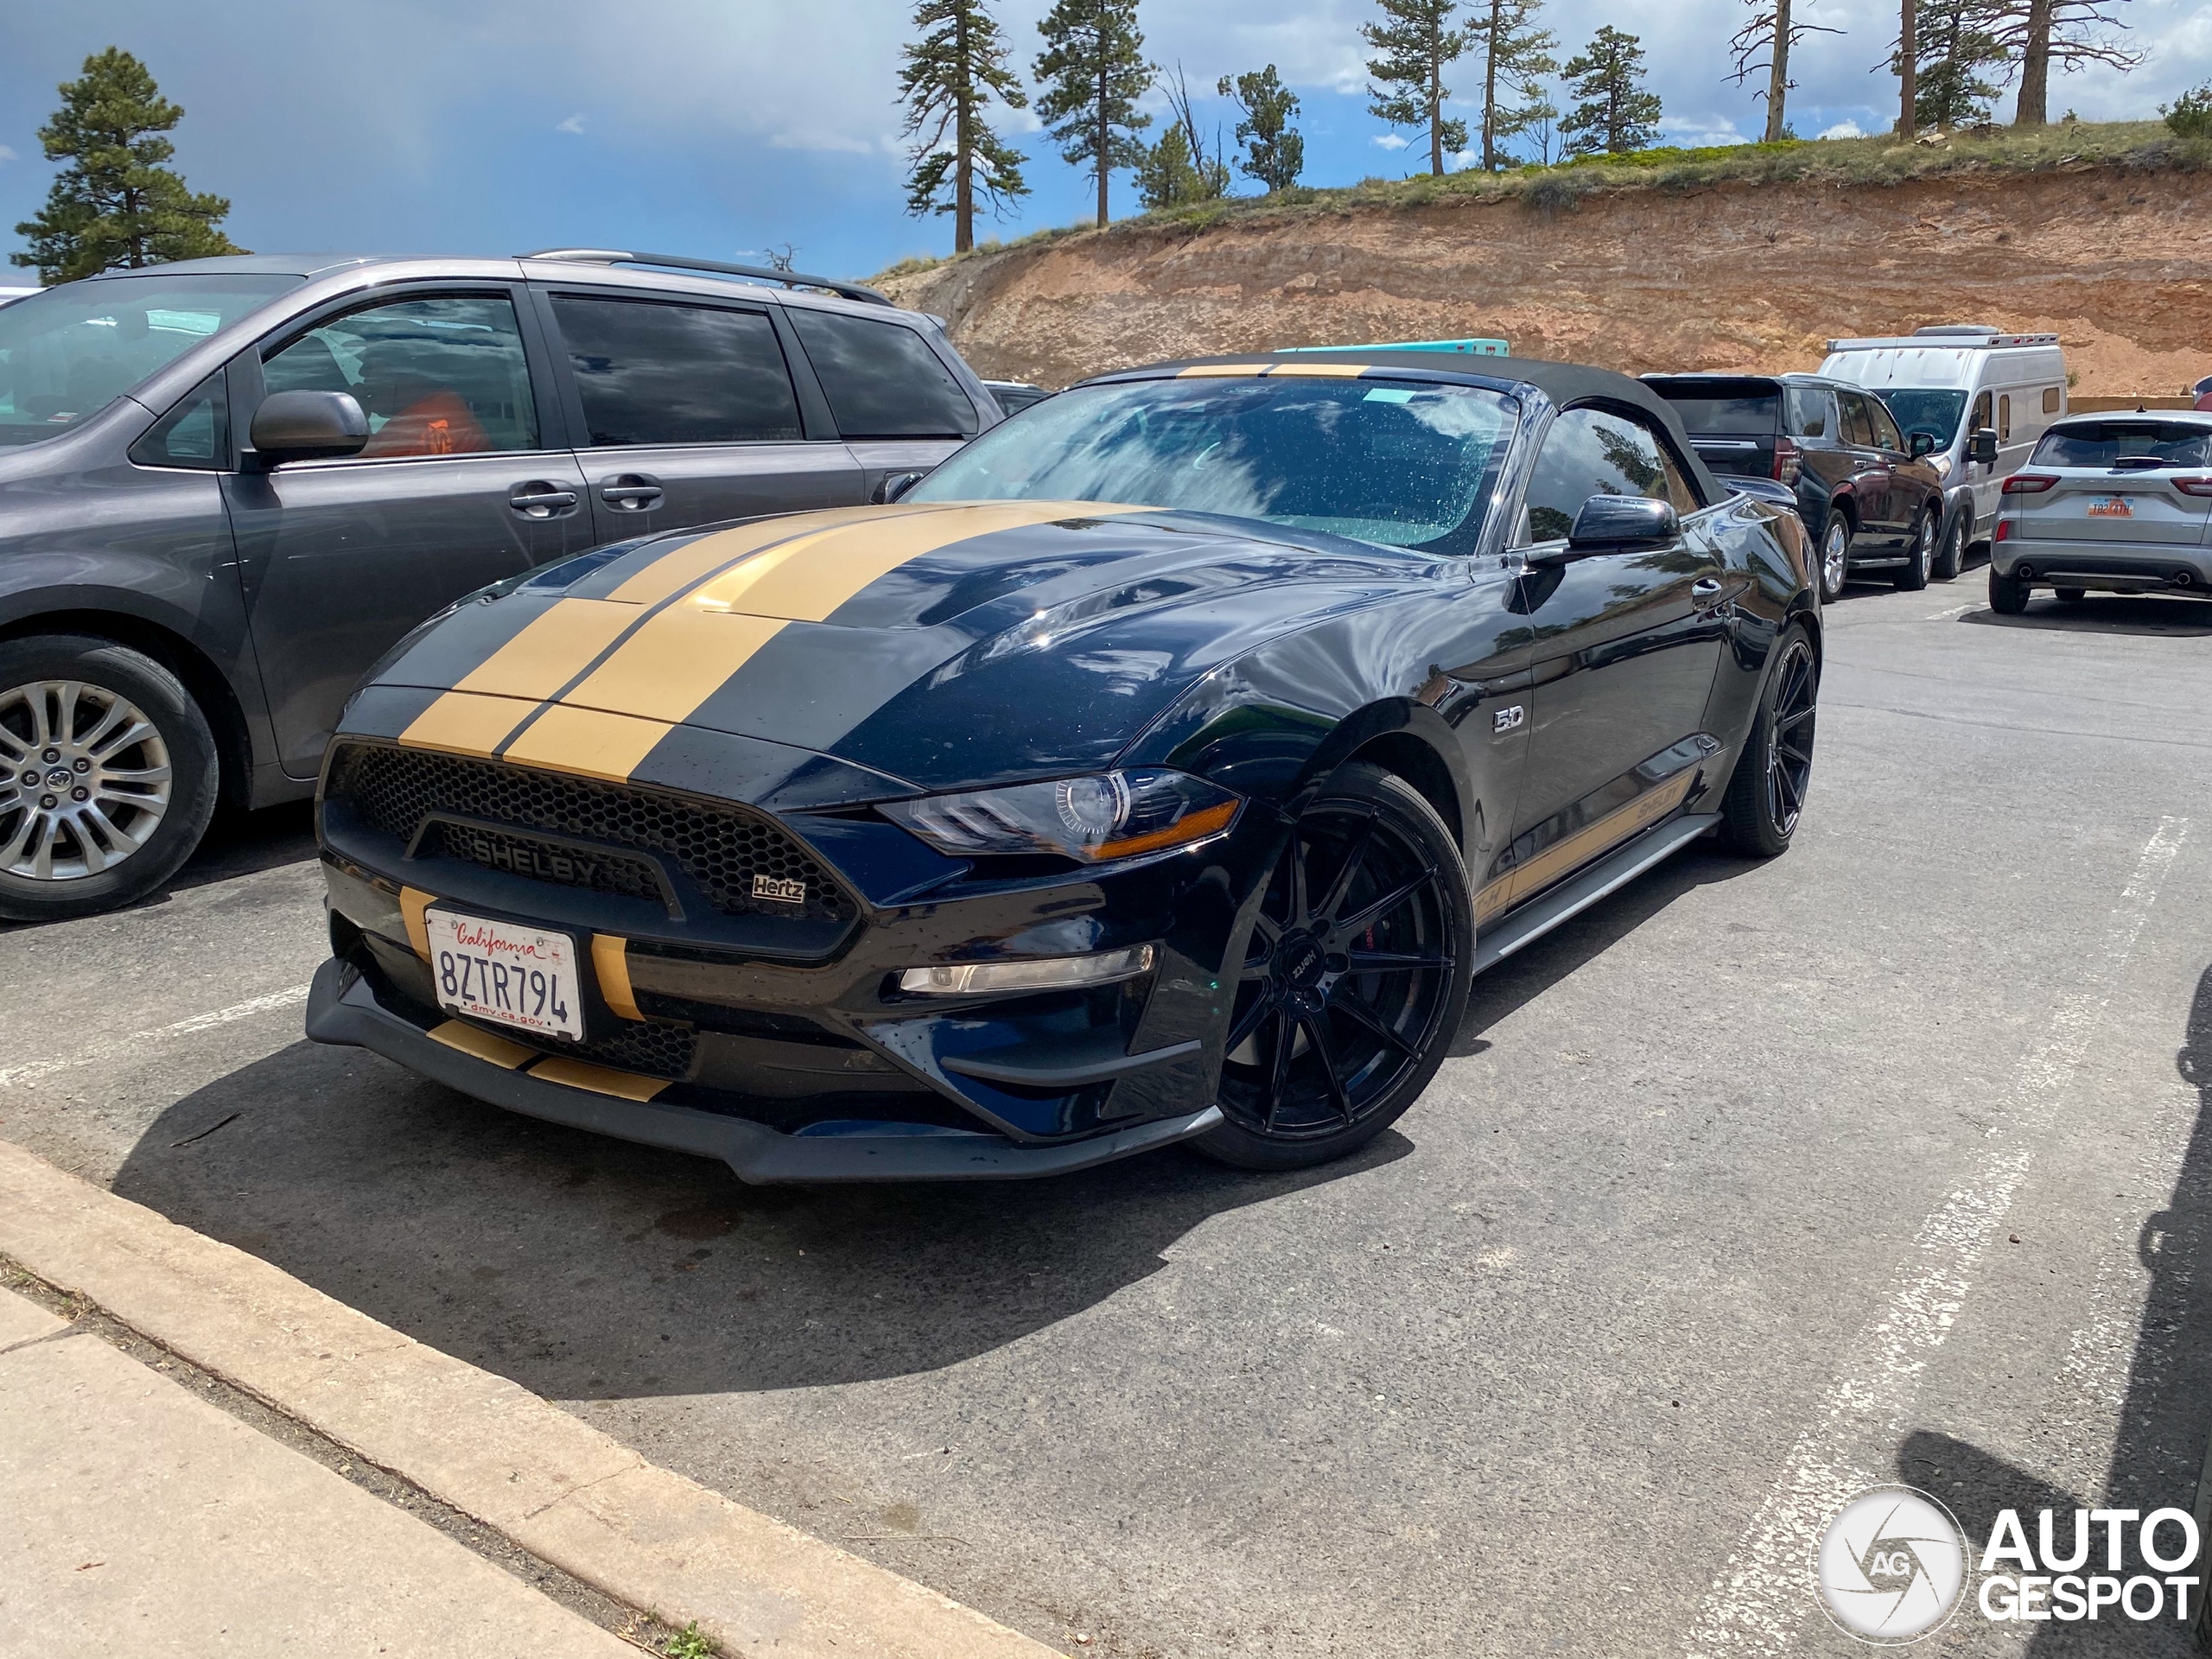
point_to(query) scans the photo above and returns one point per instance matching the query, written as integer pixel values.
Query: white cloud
(574, 123)
(1846, 128)
(837, 142)
(7, 155)
(1699, 131)
(1390, 140)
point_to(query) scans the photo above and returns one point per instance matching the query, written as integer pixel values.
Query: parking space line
(33, 1070)
(1761, 1594)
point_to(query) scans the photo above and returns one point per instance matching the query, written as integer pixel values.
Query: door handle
(631, 493)
(539, 499)
(1704, 591)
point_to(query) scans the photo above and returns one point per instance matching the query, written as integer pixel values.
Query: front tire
(2008, 595)
(1835, 557)
(1766, 792)
(1951, 559)
(108, 776)
(1353, 980)
(1914, 576)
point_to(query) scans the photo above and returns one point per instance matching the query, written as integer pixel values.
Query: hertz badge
(779, 892)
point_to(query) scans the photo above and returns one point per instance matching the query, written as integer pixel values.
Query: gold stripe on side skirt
(413, 901)
(600, 1079)
(482, 1044)
(1585, 844)
(610, 960)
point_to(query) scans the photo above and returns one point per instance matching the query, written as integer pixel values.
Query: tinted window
(1594, 452)
(1858, 424)
(2050, 400)
(434, 377)
(1407, 466)
(196, 433)
(1984, 413)
(1887, 436)
(1752, 413)
(68, 352)
(1812, 412)
(1935, 413)
(2004, 415)
(2106, 443)
(676, 373)
(881, 378)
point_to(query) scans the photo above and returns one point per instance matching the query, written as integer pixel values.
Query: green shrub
(2191, 114)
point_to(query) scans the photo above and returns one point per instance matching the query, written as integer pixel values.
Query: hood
(935, 646)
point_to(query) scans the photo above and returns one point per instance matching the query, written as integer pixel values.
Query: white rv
(1952, 381)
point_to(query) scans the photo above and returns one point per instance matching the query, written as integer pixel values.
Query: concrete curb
(488, 1447)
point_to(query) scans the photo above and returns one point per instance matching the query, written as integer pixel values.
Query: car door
(457, 487)
(1826, 463)
(1988, 478)
(1874, 480)
(898, 404)
(1627, 643)
(1906, 488)
(686, 414)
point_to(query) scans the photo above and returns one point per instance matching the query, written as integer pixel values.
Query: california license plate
(2111, 507)
(509, 973)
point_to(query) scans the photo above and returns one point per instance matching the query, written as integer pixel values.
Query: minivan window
(1934, 412)
(2106, 443)
(195, 434)
(881, 378)
(68, 352)
(444, 377)
(650, 374)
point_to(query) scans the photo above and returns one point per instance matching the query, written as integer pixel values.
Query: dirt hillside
(2117, 261)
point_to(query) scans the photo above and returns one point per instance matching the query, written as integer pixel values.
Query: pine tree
(1516, 56)
(1274, 151)
(953, 69)
(1956, 45)
(1615, 114)
(1094, 72)
(1775, 30)
(1417, 43)
(116, 204)
(2069, 33)
(1177, 171)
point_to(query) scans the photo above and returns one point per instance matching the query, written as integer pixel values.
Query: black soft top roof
(1565, 384)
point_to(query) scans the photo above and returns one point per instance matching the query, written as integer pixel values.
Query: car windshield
(68, 352)
(1407, 464)
(1935, 413)
(2110, 443)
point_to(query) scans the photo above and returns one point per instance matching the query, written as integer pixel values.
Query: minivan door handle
(541, 500)
(631, 493)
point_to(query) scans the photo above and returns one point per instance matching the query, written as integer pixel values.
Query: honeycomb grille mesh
(721, 849)
(655, 1050)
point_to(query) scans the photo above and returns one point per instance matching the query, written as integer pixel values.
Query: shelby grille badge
(781, 893)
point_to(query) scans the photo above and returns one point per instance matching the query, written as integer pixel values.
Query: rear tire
(1834, 561)
(122, 777)
(2008, 595)
(1951, 559)
(1766, 792)
(2071, 595)
(1914, 576)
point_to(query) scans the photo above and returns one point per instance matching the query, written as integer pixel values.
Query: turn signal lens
(1052, 974)
(2193, 486)
(2028, 483)
(1106, 816)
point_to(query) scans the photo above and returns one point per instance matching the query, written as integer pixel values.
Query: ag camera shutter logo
(1891, 1568)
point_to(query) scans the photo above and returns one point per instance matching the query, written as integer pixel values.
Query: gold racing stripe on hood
(465, 722)
(694, 561)
(1219, 370)
(1319, 371)
(588, 741)
(533, 665)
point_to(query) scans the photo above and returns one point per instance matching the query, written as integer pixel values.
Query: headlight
(1107, 816)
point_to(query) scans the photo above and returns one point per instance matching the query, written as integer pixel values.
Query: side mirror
(895, 485)
(309, 426)
(1920, 443)
(1622, 521)
(1982, 446)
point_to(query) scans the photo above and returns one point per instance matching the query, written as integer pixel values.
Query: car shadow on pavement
(245, 844)
(2107, 613)
(2166, 1410)
(583, 1268)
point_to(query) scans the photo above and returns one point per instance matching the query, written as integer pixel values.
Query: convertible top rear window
(1407, 464)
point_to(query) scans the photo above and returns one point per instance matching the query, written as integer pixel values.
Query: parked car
(1014, 395)
(2118, 503)
(228, 485)
(1867, 495)
(2202, 392)
(1952, 381)
(993, 833)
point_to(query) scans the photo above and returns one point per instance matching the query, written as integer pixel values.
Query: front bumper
(342, 1008)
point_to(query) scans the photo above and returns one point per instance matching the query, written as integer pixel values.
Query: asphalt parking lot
(1754, 1186)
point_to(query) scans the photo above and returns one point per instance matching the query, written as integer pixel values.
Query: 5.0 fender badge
(778, 891)
(1506, 720)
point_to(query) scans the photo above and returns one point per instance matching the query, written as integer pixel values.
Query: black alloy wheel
(1353, 980)
(1951, 558)
(1766, 793)
(1921, 564)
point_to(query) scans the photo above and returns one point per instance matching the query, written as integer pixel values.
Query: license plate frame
(2111, 507)
(518, 975)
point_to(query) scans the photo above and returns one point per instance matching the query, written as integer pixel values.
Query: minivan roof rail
(1933, 339)
(716, 267)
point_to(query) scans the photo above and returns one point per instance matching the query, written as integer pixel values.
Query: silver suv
(227, 487)
(2118, 503)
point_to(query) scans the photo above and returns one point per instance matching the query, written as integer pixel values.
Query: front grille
(542, 861)
(723, 849)
(653, 1051)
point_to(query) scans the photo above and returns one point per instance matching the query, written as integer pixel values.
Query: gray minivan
(228, 485)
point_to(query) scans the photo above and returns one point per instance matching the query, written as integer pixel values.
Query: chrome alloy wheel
(84, 779)
(1346, 981)
(1924, 550)
(1835, 546)
(1789, 737)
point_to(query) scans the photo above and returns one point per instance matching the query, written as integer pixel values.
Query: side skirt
(1614, 871)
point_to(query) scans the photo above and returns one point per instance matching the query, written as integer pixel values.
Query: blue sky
(719, 127)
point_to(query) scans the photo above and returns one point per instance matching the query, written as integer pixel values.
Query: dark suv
(1869, 501)
(227, 487)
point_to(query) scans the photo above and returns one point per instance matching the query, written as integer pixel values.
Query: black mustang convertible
(1161, 768)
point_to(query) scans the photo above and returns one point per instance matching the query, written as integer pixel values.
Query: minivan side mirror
(309, 426)
(1982, 446)
(896, 485)
(1608, 521)
(1920, 443)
